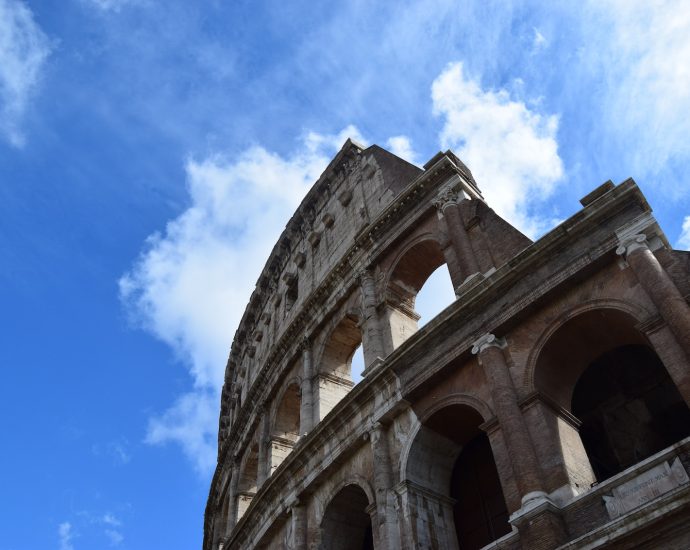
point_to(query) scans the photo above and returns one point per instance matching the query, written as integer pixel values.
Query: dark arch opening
(480, 511)
(335, 368)
(341, 346)
(247, 483)
(418, 289)
(286, 424)
(452, 457)
(346, 524)
(629, 408)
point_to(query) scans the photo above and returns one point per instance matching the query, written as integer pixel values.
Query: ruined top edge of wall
(359, 181)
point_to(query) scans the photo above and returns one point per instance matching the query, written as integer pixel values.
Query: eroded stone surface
(303, 449)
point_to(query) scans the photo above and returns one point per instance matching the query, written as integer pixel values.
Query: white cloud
(112, 532)
(110, 519)
(108, 5)
(684, 238)
(191, 284)
(539, 41)
(114, 537)
(24, 49)
(402, 146)
(511, 150)
(644, 48)
(65, 536)
(117, 450)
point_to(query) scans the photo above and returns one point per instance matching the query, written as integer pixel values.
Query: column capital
(446, 198)
(487, 340)
(376, 432)
(305, 344)
(629, 243)
(364, 274)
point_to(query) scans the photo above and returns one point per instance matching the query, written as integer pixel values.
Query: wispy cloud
(539, 42)
(108, 5)
(190, 286)
(65, 536)
(402, 146)
(644, 49)
(684, 238)
(24, 49)
(117, 450)
(511, 149)
(112, 530)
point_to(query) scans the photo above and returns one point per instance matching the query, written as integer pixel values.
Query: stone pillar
(232, 496)
(264, 467)
(489, 351)
(306, 411)
(372, 337)
(298, 517)
(385, 520)
(666, 297)
(482, 250)
(452, 261)
(538, 519)
(448, 206)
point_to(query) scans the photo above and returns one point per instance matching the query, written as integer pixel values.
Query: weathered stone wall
(504, 358)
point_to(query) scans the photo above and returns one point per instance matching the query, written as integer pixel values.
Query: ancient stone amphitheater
(546, 407)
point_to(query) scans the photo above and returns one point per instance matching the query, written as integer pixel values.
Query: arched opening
(600, 368)
(335, 369)
(357, 365)
(419, 288)
(346, 524)
(435, 295)
(246, 488)
(221, 520)
(451, 468)
(285, 432)
(629, 408)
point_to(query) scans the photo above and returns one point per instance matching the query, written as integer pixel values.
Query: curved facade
(546, 407)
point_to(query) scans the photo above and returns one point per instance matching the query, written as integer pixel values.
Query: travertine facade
(547, 407)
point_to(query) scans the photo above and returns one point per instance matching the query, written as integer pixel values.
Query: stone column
(306, 411)
(232, 497)
(372, 337)
(298, 517)
(538, 519)
(448, 207)
(385, 520)
(264, 458)
(666, 297)
(489, 351)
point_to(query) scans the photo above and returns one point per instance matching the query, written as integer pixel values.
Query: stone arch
(352, 479)
(448, 450)
(410, 270)
(285, 422)
(220, 522)
(248, 480)
(600, 370)
(623, 316)
(343, 336)
(334, 368)
(481, 406)
(345, 521)
(634, 310)
(414, 263)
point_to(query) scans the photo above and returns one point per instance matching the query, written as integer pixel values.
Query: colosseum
(545, 407)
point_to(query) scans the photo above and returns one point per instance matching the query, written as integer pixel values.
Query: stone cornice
(383, 377)
(406, 201)
(318, 446)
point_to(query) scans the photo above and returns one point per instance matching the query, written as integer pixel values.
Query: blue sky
(151, 152)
